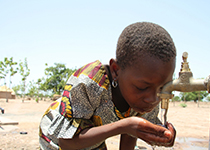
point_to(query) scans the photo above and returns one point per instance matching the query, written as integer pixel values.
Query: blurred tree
(17, 89)
(32, 89)
(56, 78)
(3, 72)
(6, 68)
(12, 71)
(195, 96)
(43, 87)
(208, 98)
(176, 99)
(24, 72)
(38, 83)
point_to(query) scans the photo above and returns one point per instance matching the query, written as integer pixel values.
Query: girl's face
(139, 84)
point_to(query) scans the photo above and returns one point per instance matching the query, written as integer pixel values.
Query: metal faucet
(185, 83)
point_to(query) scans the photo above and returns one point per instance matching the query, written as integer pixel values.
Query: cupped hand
(151, 133)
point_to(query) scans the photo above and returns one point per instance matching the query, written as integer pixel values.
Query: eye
(142, 88)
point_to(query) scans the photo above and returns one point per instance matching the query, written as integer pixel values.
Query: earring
(114, 83)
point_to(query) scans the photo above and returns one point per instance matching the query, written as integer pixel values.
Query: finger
(153, 129)
(165, 139)
(173, 134)
(171, 127)
(151, 138)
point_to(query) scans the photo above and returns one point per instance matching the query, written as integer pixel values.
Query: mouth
(144, 110)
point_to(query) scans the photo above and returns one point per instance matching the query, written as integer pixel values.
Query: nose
(152, 98)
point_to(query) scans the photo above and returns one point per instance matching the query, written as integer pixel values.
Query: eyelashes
(142, 89)
(145, 88)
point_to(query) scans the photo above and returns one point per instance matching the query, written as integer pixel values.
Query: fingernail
(167, 133)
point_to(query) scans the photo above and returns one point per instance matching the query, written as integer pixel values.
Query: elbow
(67, 144)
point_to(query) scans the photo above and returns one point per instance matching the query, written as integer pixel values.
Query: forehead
(151, 69)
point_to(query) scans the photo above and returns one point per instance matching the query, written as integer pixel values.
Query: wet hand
(151, 133)
(171, 134)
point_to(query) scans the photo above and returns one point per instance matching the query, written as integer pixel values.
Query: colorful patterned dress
(86, 102)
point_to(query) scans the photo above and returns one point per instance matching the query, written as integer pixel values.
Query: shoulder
(87, 88)
(93, 72)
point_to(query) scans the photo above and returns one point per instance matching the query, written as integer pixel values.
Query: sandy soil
(191, 123)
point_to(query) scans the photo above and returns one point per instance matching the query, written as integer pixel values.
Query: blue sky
(79, 32)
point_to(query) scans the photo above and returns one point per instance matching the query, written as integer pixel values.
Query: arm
(91, 136)
(127, 142)
(135, 126)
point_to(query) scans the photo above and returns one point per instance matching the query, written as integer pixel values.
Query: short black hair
(143, 38)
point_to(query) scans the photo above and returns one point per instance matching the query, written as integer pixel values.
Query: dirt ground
(191, 123)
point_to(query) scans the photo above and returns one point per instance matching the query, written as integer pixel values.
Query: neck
(117, 97)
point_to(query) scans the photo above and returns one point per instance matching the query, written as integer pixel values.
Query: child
(100, 101)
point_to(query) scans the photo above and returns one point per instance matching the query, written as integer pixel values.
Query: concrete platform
(7, 128)
(6, 121)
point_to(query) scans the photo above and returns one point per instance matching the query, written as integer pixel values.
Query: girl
(100, 101)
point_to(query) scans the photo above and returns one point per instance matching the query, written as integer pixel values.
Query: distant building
(7, 93)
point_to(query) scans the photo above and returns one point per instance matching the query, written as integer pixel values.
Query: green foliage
(3, 72)
(183, 105)
(39, 81)
(17, 89)
(42, 84)
(32, 89)
(195, 96)
(6, 68)
(176, 98)
(24, 72)
(56, 78)
(208, 98)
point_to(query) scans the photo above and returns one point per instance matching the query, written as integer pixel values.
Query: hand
(151, 133)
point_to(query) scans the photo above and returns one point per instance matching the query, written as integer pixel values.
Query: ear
(114, 69)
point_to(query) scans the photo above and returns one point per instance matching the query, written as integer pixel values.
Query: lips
(148, 109)
(143, 110)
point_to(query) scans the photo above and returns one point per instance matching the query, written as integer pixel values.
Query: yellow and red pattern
(93, 71)
(65, 107)
(53, 106)
(97, 120)
(119, 115)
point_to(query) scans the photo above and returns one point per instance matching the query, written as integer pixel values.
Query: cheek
(132, 95)
(126, 90)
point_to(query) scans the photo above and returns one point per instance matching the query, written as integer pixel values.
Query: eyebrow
(145, 82)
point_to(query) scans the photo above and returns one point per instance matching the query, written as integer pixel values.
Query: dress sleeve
(54, 126)
(70, 114)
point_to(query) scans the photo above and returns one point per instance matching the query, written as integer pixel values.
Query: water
(180, 144)
(193, 143)
(187, 143)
